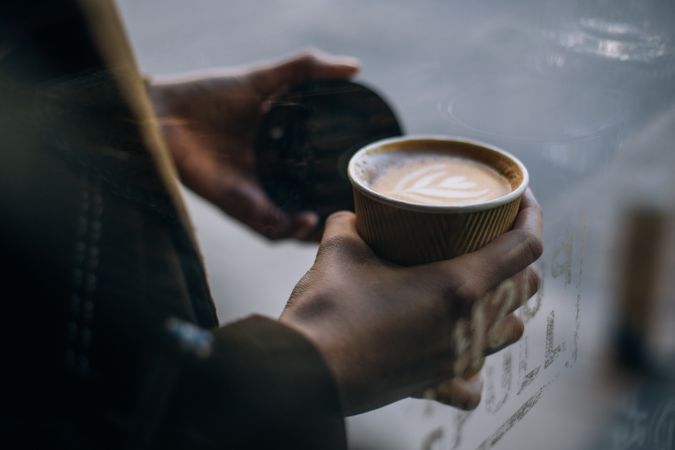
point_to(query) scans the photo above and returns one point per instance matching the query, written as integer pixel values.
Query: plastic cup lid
(308, 135)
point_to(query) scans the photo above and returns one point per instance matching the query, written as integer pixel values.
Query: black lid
(307, 137)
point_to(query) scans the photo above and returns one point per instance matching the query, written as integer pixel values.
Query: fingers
(303, 66)
(242, 198)
(246, 202)
(510, 294)
(493, 282)
(486, 340)
(504, 333)
(459, 392)
(504, 257)
(492, 328)
(303, 225)
(513, 251)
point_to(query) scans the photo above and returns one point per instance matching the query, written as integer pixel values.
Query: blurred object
(306, 139)
(643, 420)
(623, 45)
(639, 277)
(645, 191)
(613, 41)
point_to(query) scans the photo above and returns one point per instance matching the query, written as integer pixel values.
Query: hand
(388, 332)
(209, 121)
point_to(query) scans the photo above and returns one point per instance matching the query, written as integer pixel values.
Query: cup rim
(489, 204)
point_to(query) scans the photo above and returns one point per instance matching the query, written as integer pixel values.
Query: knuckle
(466, 292)
(531, 244)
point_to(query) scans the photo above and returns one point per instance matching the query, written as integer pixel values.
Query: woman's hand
(209, 120)
(389, 332)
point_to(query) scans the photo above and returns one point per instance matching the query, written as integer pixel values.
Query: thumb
(341, 238)
(341, 224)
(305, 65)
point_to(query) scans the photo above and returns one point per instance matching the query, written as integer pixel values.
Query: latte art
(433, 182)
(441, 180)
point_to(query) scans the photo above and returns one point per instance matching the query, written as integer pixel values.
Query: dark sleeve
(256, 385)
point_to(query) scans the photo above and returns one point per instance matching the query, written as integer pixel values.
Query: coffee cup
(420, 199)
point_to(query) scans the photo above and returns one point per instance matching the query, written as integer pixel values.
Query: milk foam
(441, 180)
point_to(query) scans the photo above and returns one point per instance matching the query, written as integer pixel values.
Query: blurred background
(583, 92)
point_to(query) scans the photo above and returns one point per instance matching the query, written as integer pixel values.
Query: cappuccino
(437, 179)
(420, 199)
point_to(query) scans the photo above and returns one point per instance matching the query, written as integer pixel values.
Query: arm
(261, 385)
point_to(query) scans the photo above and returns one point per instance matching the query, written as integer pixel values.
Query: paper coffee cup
(410, 233)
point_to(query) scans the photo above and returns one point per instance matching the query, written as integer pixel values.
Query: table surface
(581, 91)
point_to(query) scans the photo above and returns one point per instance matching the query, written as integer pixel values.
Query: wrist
(319, 339)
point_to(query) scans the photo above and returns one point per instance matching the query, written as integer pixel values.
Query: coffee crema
(433, 179)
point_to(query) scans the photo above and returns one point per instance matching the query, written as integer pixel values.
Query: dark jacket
(109, 334)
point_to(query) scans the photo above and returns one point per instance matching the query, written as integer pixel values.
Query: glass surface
(582, 92)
